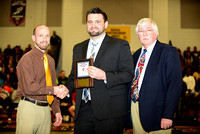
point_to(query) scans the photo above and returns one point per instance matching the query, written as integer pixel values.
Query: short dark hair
(62, 71)
(34, 31)
(97, 10)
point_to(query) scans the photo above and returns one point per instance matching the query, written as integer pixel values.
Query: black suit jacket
(161, 86)
(114, 57)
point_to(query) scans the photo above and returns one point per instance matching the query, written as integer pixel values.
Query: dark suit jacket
(114, 57)
(161, 86)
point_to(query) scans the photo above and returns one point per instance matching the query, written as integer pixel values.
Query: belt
(39, 103)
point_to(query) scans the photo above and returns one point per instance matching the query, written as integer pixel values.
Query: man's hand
(166, 123)
(61, 91)
(58, 120)
(96, 73)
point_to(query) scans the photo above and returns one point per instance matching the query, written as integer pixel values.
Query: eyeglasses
(148, 31)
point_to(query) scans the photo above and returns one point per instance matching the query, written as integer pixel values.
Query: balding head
(41, 37)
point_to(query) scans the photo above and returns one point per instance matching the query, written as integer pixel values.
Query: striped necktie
(86, 93)
(92, 55)
(50, 98)
(135, 92)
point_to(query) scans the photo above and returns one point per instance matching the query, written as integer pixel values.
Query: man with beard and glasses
(37, 88)
(104, 110)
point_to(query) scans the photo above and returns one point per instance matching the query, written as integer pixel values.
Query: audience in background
(189, 79)
(190, 98)
(195, 57)
(5, 101)
(71, 109)
(56, 43)
(28, 48)
(8, 50)
(66, 104)
(187, 56)
(62, 79)
(9, 58)
(180, 56)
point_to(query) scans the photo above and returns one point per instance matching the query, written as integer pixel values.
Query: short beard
(42, 48)
(94, 34)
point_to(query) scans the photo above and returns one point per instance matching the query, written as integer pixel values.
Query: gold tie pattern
(50, 98)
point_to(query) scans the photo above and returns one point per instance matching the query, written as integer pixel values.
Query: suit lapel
(136, 57)
(155, 55)
(102, 48)
(154, 59)
(84, 50)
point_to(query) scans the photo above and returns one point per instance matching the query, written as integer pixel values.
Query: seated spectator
(64, 106)
(28, 48)
(3, 73)
(62, 79)
(17, 51)
(6, 103)
(195, 55)
(189, 79)
(65, 103)
(187, 57)
(8, 51)
(14, 98)
(180, 56)
(12, 77)
(11, 62)
(1, 81)
(197, 87)
(3, 59)
(1, 63)
(196, 74)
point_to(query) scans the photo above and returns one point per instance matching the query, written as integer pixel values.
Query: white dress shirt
(96, 50)
(147, 57)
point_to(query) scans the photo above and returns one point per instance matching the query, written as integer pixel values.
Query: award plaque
(81, 75)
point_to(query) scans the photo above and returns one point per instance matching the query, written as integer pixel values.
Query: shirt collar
(37, 51)
(150, 48)
(99, 40)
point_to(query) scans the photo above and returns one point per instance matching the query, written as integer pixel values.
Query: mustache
(44, 42)
(145, 38)
(94, 28)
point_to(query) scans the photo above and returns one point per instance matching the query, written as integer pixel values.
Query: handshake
(61, 91)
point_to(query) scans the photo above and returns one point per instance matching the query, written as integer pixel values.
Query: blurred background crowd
(188, 109)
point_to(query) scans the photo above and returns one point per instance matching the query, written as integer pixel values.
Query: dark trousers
(86, 122)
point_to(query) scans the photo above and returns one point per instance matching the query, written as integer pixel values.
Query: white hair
(145, 21)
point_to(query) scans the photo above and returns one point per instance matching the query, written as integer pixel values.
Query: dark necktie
(135, 92)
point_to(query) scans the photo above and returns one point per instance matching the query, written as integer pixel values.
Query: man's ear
(106, 24)
(33, 38)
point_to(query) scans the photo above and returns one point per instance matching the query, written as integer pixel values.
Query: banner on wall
(122, 32)
(17, 13)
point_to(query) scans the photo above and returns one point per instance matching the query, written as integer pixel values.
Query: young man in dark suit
(105, 109)
(157, 84)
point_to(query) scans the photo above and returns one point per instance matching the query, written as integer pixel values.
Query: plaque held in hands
(81, 75)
